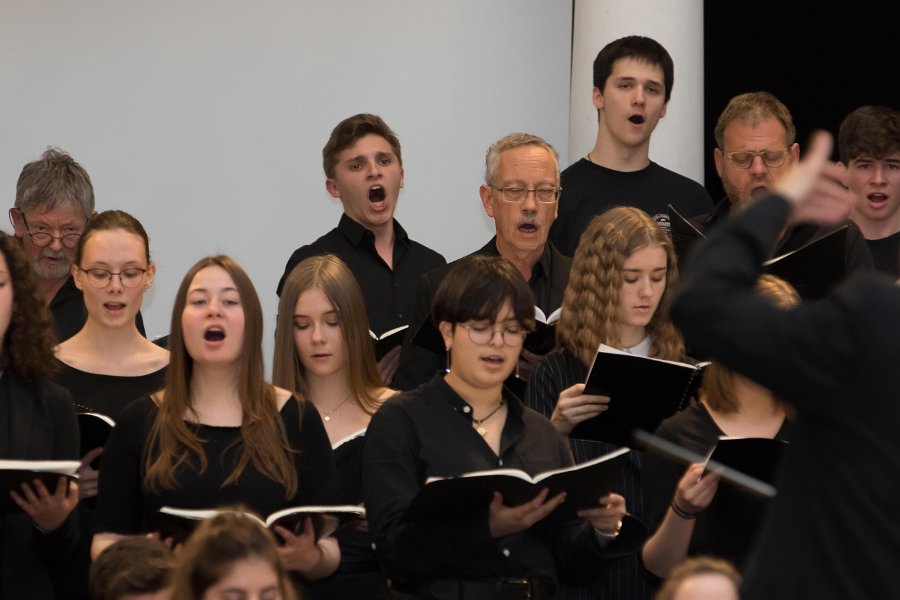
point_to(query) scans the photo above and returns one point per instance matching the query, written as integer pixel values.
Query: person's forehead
(750, 128)
(62, 214)
(630, 67)
(371, 143)
(528, 158)
(212, 278)
(892, 157)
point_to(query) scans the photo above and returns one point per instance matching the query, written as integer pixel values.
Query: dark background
(821, 62)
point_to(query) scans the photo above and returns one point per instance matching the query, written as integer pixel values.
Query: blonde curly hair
(590, 309)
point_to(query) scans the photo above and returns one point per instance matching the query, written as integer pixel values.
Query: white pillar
(677, 143)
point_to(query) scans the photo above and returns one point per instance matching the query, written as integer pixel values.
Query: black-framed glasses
(515, 193)
(101, 278)
(482, 334)
(743, 159)
(42, 239)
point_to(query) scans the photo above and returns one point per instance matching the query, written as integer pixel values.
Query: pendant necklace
(326, 414)
(480, 422)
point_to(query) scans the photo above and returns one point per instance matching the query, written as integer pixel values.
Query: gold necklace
(326, 414)
(479, 422)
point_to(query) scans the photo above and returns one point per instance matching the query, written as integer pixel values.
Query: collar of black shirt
(514, 427)
(356, 233)
(542, 269)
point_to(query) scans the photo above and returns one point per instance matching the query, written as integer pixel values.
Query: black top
(556, 372)
(731, 523)
(354, 540)
(886, 254)
(106, 394)
(832, 531)
(549, 277)
(69, 314)
(126, 507)
(37, 422)
(857, 257)
(589, 190)
(428, 432)
(387, 291)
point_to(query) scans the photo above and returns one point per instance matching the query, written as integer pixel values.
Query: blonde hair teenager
(323, 351)
(622, 277)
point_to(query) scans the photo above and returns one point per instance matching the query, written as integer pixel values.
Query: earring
(447, 369)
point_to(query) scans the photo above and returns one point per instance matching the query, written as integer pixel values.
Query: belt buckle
(516, 589)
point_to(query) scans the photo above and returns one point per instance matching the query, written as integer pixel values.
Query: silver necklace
(479, 422)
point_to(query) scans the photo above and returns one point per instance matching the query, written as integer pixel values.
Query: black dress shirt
(388, 291)
(549, 278)
(428, 432)
(37, 422)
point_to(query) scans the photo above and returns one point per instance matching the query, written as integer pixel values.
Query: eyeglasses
(514, 193)
(42, 239)
(481, 334)
(771, 158)
(100, 278)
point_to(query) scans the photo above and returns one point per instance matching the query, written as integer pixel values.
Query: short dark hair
(351, 129)
(54, 180)
(640, 48)
(871, 131)
(475, 289)
(131, 565)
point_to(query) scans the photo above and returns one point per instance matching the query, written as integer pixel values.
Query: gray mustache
(529, 219)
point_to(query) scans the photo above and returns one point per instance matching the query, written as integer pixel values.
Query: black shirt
(387, 291)
(729, 526)
(832, 531)
(125, 506)
(428, 432)
(589, 190)
(549, 278)
(886, 254)
(857, 257)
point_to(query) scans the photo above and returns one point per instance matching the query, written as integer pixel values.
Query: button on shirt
(388, 292)
(427, 432)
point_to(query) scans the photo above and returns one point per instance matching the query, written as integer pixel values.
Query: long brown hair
(718, 381)
(590, 308)
(29, 340)
(172, 442)
(329, 274)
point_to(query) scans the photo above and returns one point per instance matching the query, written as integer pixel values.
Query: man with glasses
(633, 79)
(755, 144)
(520, 192)
(54, 200)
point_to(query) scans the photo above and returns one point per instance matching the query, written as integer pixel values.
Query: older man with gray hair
(521, 193)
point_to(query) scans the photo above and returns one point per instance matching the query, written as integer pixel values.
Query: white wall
(206, 118)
